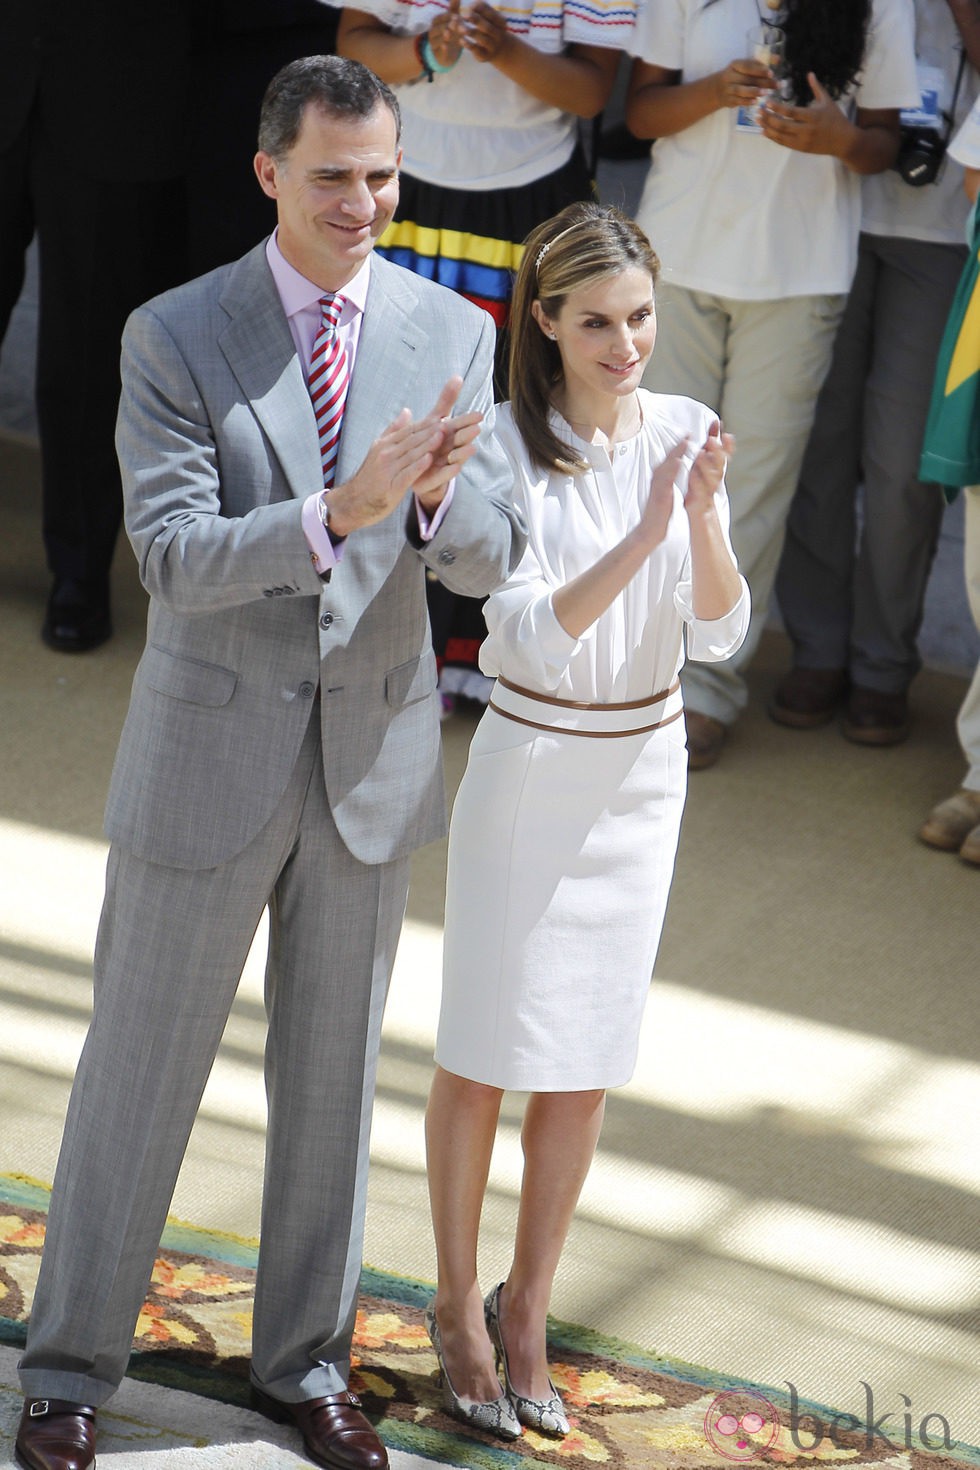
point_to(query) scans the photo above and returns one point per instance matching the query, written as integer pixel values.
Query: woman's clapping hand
(708, 469)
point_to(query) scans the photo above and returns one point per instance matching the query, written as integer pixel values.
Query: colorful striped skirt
(471, 239)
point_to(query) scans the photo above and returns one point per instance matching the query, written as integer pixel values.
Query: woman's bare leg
(460, 1125)
(560, 1133)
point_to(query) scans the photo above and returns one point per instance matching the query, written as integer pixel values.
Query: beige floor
(787, 1192)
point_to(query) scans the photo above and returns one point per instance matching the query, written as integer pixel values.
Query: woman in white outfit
(566, 823)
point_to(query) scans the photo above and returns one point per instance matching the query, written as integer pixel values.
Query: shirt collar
(298, 294)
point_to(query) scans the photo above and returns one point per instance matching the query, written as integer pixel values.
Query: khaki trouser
(760, 364)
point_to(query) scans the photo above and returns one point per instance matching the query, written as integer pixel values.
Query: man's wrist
(431, 500)
(328, 520)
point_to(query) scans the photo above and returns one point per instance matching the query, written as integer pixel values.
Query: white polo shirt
(727, 210)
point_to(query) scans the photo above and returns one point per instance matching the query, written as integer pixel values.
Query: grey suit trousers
(171, 947)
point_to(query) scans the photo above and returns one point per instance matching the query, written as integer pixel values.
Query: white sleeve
(660, 33)
(524, 639)
(708, 642)
(888, 77)
(609, 23)
(965, 147)
(524, 635)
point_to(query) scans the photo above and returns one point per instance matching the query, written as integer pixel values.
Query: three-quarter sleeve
(524, 632)
(708, 641)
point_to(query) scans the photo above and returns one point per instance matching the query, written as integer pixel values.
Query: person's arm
(716, 585)
(715, 582)
(966, 15)
(362, 37)
(578, 80)
(480, 538)
(422, 455)
(581, 602)
(658, 103)
(201, 545)
(868, 145)
(971, 183)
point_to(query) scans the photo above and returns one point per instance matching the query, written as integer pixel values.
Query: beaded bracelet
(427, 59)
(426, 69)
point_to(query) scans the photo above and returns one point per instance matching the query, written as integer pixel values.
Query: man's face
(335, 192)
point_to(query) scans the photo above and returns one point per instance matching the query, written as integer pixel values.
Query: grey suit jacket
(218, 449)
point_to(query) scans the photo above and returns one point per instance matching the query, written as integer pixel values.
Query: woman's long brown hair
(583, 243)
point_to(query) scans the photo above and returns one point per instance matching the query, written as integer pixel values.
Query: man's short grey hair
(336, 85)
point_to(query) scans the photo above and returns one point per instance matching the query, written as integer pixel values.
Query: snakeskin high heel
(496, 1417)
(547, 1416)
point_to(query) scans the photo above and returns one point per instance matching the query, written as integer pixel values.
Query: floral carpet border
(629, 1409)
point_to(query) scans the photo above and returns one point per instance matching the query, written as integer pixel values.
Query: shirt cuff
(711, 640)
(427, 527)
(324, 553)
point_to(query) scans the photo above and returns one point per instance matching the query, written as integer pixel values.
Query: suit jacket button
(326, 620)
(447, 558)
(267, 592)
(307, 690)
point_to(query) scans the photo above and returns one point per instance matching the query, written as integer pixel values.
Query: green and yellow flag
(951, 447)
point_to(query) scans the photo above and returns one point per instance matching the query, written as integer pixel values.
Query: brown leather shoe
(875, 718)
(705, 738)
(335, 1432)
(56, 1434)
(806, 698)
(950, 823)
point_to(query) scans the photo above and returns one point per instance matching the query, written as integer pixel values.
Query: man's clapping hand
(421, 455)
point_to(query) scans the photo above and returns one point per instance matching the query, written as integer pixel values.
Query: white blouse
(636, 647)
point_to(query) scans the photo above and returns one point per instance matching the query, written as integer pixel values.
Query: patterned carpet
(629, 1411)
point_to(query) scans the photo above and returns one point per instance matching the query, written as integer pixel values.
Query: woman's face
(605, 333)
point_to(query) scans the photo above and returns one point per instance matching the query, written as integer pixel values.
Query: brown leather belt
(576, 717)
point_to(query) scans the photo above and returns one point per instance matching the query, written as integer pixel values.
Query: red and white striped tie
(329, 381)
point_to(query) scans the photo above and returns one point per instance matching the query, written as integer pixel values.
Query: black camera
(921, 156)
(922, 151)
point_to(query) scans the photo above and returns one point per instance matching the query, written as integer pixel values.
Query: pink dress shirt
(301, 303)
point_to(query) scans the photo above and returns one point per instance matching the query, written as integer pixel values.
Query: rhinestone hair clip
(548, 243)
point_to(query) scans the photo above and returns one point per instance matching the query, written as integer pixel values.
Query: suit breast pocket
(187, 678)
(411, 681)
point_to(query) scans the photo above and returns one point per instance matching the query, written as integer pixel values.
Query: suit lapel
(391, 351)
(258, 347)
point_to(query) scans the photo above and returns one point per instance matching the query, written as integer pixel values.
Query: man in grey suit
(281, 748)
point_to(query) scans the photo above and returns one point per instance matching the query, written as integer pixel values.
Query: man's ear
(267, 173)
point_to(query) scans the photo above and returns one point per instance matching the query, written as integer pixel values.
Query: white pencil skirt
(561, 853)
